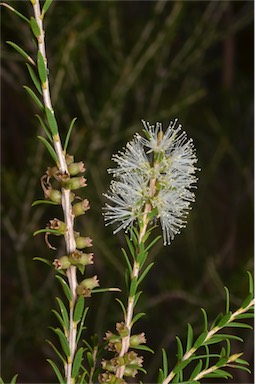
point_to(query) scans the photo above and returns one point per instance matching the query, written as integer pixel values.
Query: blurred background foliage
(113, 63)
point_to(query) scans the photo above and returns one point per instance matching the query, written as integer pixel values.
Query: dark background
(113, 63)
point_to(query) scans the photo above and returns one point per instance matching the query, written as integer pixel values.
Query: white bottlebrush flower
(157, 170)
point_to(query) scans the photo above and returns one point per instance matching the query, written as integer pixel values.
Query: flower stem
(66, 201)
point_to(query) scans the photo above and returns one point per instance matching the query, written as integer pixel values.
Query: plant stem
(66, 201)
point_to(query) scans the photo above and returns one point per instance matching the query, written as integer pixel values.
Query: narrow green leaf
(189, 338)
(63, 341)
(180, 366)
(57, 372)
(46, 130)
(100, 290)
(165, 362)
(227, 300)
(34, 97)
(144, 348)
(37, 202)
(52, 121)
(127, 261)
(35, 27)
(133, 287)
(65, 287)
(63, 312)
(56, 351)
(41, 68)
(152, 243)
(245, 316)
(251, 285)
(224, 320)
(90, 359)
(239, 325)
(222, 337)
(43, 260)
(77, 362)
(47, 230)
(242, 368)
(138, 294)
(179, 348)
(21, 52)
(46, 6)
(196, 370)
(147, 269)
(130, 247)
(69, 133)
(218, 318)
(205, 319)
(161, 377)
(200, 340)
(122, 307)
(78, 310)
(49, 147)
(58, 316)
(137, 317)
(16, 12)
(14, 379)
(247, 300)
(34, 78)
(81, 328)
(241, 361)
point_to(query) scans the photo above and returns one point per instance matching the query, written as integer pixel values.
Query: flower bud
(76, 168)
(85, 287)
(83, 242)
(136, 340)
(109, 336)
(69, 159)
(107, 365)
(110, 378)
(53, 195)
(78, 257)
(62, 263)
(58, 225)
(132, 358)
(130, 371)
(122, 329)
(81, 207)
(75, 183)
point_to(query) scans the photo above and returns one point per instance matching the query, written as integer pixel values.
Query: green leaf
(179, 348)
(127, 261)
(239, 325)
(200, 340)
(63, 341)
(58, 316)
(16, 12)
(242, 368)
(138, 294)
(34, 78)
(137, 317)
(77, 362)
(205, 319)
(46, 130)
(65, 287)
(165, 362)
(21, 52)
(189, 337)
(13, 380)
(41, 68)
(46, 6)
(147, 269)
(90, 359)
(222, 337)
(227, 300)
(37, 202)
(180, 366)
(100, 290)
(52, 121)
(47, 230)
(57, 372)
(81, 328)
(251, 285)
(152, 243)
(144, 348)
(245, 316)
(56, 351)
(247, 300)
(225, 319)
(34, 97)
(161, 376)
(78, 310)
(131, 247)
(69, 133)
(35, 27)
(49, 147)
(133, 287)
(122, 306)
(241, 361)
(196, 370)
(45, 261)
(63, 312)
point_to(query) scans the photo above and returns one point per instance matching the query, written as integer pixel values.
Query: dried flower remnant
(158, 170)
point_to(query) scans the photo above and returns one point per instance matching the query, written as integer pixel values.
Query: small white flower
(164, 160)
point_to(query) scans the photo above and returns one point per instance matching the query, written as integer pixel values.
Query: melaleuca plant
(153, 186)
